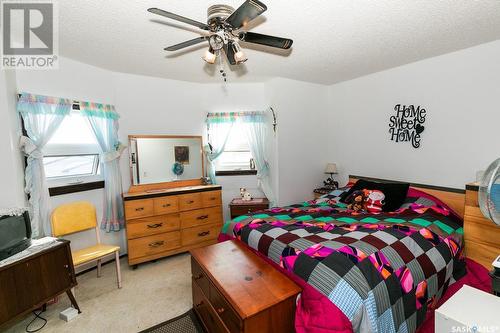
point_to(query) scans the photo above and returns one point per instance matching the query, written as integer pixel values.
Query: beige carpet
(152, 294)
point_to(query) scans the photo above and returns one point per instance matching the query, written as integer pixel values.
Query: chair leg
(118, 271)
(99, 268)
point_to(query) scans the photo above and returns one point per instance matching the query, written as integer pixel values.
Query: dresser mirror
(165, 158)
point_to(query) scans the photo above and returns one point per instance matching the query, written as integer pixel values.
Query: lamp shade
(331, 168)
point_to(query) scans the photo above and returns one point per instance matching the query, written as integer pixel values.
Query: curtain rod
(75, 106)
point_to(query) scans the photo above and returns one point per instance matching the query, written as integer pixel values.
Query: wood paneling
(482, 236)
(162, 223)
(235, 290)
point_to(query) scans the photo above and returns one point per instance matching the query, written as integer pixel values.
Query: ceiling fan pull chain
(222, 70)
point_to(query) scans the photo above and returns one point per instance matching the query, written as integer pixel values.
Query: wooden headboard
(453, 197)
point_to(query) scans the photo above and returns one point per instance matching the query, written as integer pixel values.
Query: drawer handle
(198, 276)
(139, 209)
(220, 310)
(190, 201)
(202, 217)
(156, 244)
(154, 226)
(204, 233)
(166, 205)
(212, 198)
(199, 304)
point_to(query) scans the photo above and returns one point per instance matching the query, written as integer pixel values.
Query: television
(15, 234)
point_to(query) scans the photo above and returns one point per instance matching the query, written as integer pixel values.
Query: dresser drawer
(199, 234)
(201, 217)
(153, 225)
(166, 205)
(206, 312)
(243, 210)
(225, 311)
(190, 201)
(139, 208)
(154, 244)
(211, 198)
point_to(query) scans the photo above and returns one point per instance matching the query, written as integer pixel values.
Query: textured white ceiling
(334, 40)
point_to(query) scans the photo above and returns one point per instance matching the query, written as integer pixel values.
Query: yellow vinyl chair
(80, 216)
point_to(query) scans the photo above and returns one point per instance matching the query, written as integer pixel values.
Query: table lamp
(331, 169)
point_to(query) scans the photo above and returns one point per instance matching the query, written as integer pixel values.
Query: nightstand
(240, 207)
(318, 192)
(469, 310)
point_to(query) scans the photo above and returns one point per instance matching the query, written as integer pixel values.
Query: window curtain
(218, 133)
(104, 121)
(42, 115)
(257, 129)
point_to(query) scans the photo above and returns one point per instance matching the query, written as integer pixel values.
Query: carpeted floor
(152, 294)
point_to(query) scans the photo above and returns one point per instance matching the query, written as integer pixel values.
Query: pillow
(395, 193)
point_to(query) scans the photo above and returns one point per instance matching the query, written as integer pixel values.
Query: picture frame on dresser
(169, 216)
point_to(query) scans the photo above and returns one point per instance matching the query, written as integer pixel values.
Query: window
(236, 155)
(72, 154)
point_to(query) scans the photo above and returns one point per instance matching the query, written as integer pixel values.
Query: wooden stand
(29, 283)
(240, 207)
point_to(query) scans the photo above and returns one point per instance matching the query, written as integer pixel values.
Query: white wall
(11, 174)
(302, 149)
(461, 93)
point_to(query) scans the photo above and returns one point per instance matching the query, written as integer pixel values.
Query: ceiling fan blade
(249, 10)
(252, 37)
(228, 49)
(179, 18)
(185, 44)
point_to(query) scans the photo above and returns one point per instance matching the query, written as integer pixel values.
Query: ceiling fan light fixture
(239, 55)
(209, 56)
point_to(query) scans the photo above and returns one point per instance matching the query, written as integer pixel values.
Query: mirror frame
(165, 185)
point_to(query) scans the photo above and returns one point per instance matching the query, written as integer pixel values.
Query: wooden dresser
(482, 236)
(160, 223)
(236, 291)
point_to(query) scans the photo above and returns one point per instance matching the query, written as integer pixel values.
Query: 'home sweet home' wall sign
(407, 124)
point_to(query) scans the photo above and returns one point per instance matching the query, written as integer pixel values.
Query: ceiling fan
(225, 27)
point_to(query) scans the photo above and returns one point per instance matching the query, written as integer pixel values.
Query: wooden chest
(482, 236)
(236, 291)
(163, 223)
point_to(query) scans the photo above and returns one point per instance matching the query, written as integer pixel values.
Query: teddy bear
(356, 201)
(374, 201)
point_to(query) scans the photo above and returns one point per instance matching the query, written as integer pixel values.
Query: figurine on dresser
(245, 195)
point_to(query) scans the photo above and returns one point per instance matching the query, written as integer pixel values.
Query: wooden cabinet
(240, 207)
(481, 235)
(28, 283)
(164, 223)
(236, 291)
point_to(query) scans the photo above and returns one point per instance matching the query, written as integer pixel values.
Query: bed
(370, 272)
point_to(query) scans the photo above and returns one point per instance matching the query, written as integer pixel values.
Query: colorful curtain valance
(30, 103)
(233, 117)
(98, 110)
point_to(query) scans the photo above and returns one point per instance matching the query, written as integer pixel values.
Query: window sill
(236, 173)
(67, 189)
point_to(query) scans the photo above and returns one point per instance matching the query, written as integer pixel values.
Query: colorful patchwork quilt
(383, 270)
